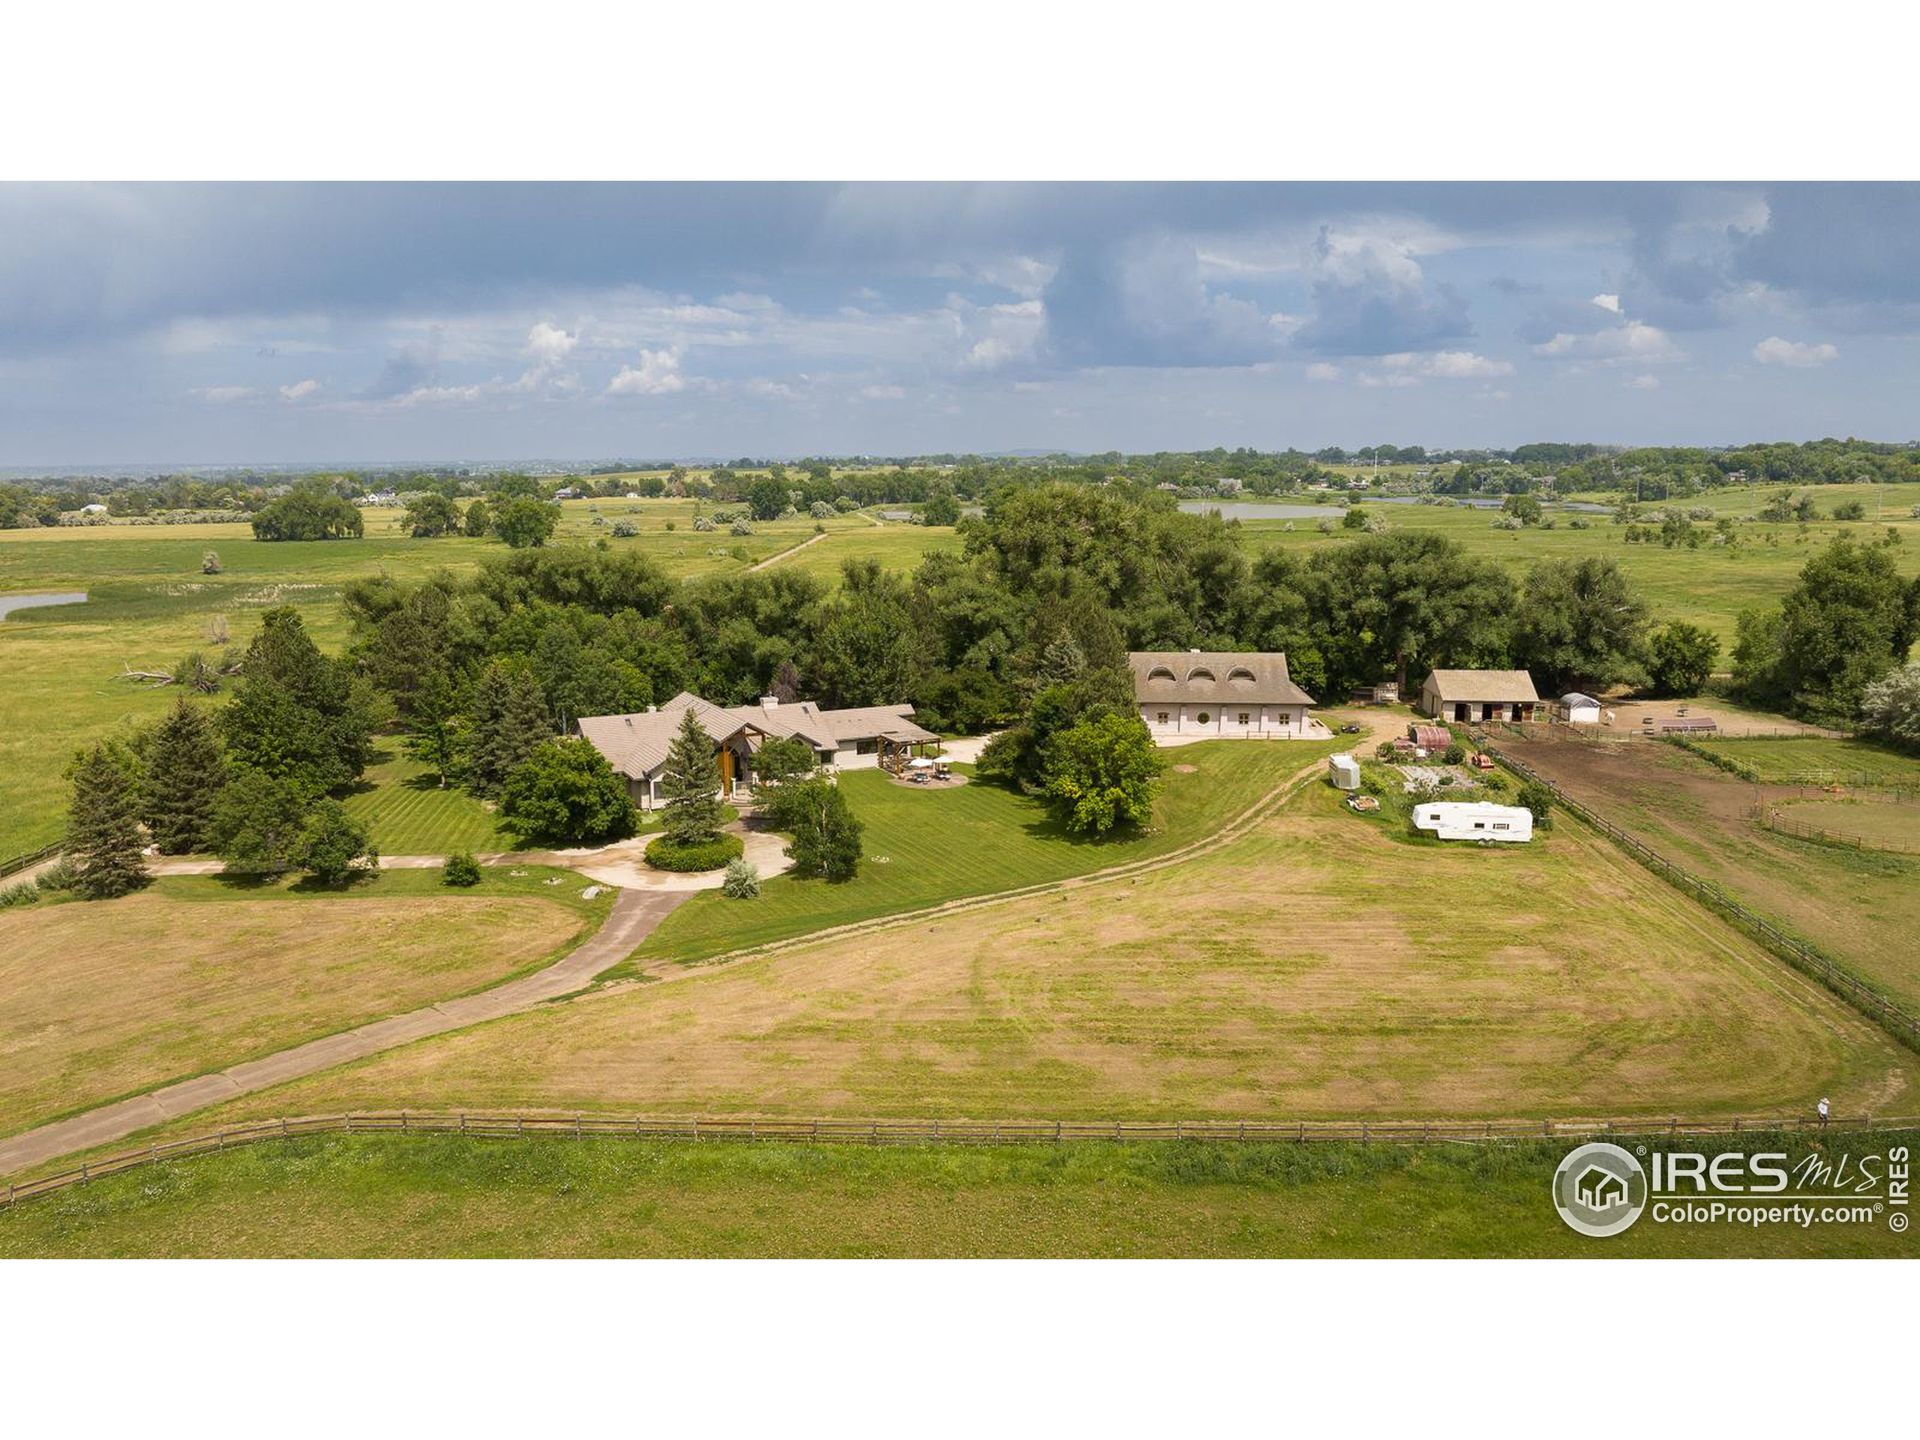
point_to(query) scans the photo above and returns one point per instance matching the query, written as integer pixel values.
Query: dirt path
(779, 555)
(633, 918)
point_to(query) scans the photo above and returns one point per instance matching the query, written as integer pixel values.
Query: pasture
(928, 846)
(1279, 976)
(1818, 760)
(101, 999)
(447, 1196)
(1860, 908)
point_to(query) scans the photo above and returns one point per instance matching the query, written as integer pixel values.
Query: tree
(436, 733)
(183, 773)
(1680, 658)
(1579, 624)
(333, 847)
(690, 782)
(1891, 706)
(258, 822)
(1523, 508)
(103, 825)
(1102, 774)
(1354, 519)
(826, 836)
(1538, 801)
(1849, 621)
(461, 870)
(865, 651)
(507, 722)
(297, 713)
(524, 522)
(311, 510)
(783, 759)
(767, 497)
(479, 519)
(432, 514)
(567, 793)
(940, 508)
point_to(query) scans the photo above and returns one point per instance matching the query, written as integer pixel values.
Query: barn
(1467, 695)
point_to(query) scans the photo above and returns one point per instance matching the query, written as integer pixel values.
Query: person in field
(1821, 1108)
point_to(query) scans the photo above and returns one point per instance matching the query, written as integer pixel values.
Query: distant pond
(1259, 510)
(11, 603)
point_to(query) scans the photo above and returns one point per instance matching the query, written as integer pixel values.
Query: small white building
(1220, 694)
(1344, 771)
(1474, 820)
(1578, 709)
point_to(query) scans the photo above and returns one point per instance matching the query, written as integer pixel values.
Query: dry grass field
(100, 1000)
(1316, 967)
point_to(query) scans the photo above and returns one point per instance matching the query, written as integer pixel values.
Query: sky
(250, 324)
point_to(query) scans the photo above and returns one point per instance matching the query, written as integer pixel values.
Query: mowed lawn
(1820, 760)
(408, 813)
(928, 846)
(102, 999)
(447, 1196)
(1316, 968)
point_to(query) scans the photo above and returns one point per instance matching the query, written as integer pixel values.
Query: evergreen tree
(508, 721)
(297, 714)
(691, 783)
(184, 772)
(103, 825)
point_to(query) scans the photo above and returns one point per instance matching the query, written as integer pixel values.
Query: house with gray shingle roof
(1220, 694)
(636, 745)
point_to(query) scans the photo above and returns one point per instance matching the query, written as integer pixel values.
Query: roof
(1471, 810)
(1431, 737)
(1474, 685)
(637, 744)
(1191, 676)
(1574, 697)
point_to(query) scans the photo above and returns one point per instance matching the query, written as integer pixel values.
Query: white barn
(1474, 820)
(1234, 695)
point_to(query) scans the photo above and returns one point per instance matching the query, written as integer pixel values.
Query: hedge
(663, 854)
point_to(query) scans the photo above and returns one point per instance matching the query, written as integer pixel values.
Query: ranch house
(636, 745)
(1233, 695)
(1466, 695)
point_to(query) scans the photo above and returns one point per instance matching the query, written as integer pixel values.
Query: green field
(1818, 761)
(926, 846)
(408, 813)
(445, 1196)
(1709, 586)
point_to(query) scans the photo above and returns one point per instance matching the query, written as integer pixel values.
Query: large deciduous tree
(1579, 625)
(1680, 658)
(566, 793)
(826, 835)
(258, 822)
(1102, 774)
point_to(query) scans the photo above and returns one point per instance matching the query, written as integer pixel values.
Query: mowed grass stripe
(407, 815)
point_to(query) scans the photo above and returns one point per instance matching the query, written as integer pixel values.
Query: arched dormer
(1200, 673)
(1160, 672)
(1241, 678)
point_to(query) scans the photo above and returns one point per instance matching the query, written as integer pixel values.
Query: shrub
(664, 854)
(1538, 801)
(701, 523)
(57, 877)
(210, 564)
(821, 510)
(461, 869)
(22, 892)
(1384, 750)
(742, 882)
(1454, 754)
(742, 526)
(625, 529)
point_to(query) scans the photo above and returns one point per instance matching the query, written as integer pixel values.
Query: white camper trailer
(1344, 771)
(1474, 820)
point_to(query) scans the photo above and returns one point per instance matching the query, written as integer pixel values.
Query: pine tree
(691, 783)
(507, 723)
(184, 772)
(103, 826)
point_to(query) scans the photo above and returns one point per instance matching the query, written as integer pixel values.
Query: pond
(10, 603)
(1259, 510)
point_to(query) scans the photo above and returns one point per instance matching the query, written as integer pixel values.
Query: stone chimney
(769, 702)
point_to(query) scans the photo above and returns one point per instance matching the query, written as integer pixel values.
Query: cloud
(1642, 382)
(548, 344)
(1371, 297)
(1801, 356)
(883, 392)
(1608, 302)
(1320, 372)
(299, 390)
(1632, 343)
(225, 394)
(1449, 365)
(657, 374)
(1145, 302)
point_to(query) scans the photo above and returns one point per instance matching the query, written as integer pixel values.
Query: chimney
(769, 702)
(653, 709)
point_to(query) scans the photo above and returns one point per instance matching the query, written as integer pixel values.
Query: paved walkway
(633, 918)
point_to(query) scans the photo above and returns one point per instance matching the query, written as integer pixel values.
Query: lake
(11, 603)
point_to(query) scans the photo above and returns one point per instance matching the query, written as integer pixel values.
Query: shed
(1430, 737)
(1578, 709)
(1475, 820)
(1344, 771)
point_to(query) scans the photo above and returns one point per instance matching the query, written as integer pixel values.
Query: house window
(865, 747)
(1245, 718)
(1205, 719)
(1163, 717)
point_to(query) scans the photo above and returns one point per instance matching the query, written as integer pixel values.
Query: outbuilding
(1475, 820)
(1344, 771)
(1578, 709)
(1467, 695)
